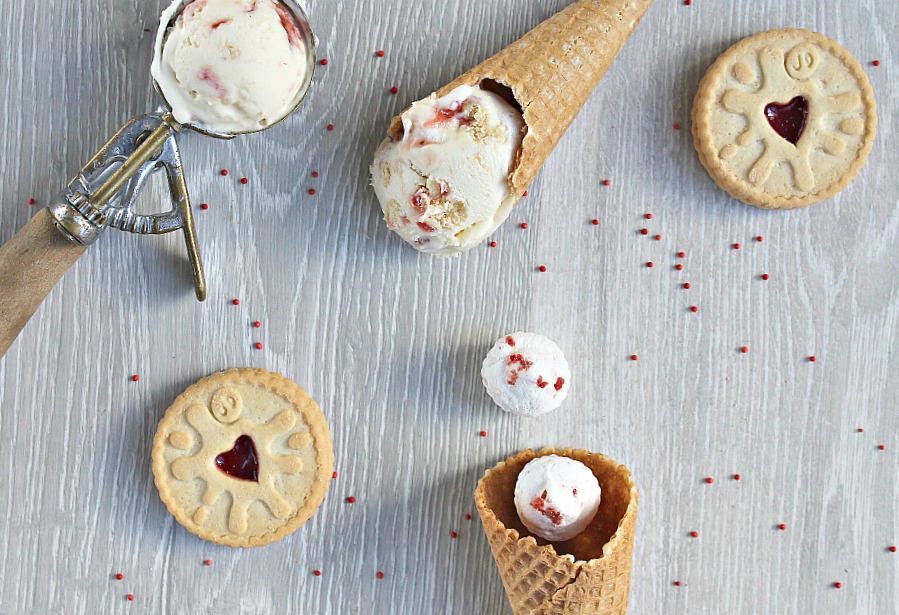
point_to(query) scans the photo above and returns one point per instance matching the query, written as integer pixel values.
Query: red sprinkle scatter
(492, 244)
(483, 434)
(647, 216)
(324, 62)
(677, 126)
(524, 225)
(744, 349)
(542, 268)
(736, 477)
(891, 548)
(607, 182)
(311, 191)
(244, 181)
(677, 583)
(560, 382)
(694, 534)
(694, 309)
(257, 324)
(394, 90)
(330, 126)
(204, 206)
(709, 480)
(658, 238)
(454, 535)
(679, 267)
(782, 526)
(135, 378)
(649, 264)
(736, 246)
(634, 357)
(224, 172)
(334, 475)
(882, 447)
(760, 239)
(510, 340)
(31, 201)
(207, 562)
(317, 573)
(379, 53)
(258, 345)
(837, 585)
(315, 174)
(130, 597)
(380, 575)
(686, 286)
(765, 276)
(644, 231)
(875, 63)
(681, 254)
(351, 500)
(235, 301)
(119, 576)
(467, 517)
(812, 359)
(595, 222)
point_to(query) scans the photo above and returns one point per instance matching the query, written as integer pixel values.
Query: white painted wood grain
(390, 342)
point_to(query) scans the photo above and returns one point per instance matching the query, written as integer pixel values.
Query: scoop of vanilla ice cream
(556, 497)
(231, 66)
(526, 374)
(444, 187)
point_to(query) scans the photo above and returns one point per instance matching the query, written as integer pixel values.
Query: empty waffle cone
(549, 74)
(589, 574)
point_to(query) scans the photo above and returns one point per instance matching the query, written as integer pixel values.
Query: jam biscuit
(784, 119)
(243, 458)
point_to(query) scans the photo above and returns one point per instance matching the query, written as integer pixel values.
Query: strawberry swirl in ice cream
(444, 186)
(526, 374)
(231, 66)
(556, 497)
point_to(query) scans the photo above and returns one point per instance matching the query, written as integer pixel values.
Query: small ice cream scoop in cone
(513, 108)
(222, 68)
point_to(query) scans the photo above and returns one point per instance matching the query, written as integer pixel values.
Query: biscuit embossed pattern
(243, 457)
(784, 119)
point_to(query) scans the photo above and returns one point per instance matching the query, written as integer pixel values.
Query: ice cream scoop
(556, 497)
(444, 185)
(526, 373)
(231, 66)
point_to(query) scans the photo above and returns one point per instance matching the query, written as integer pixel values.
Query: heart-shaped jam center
(241, 461)
(788, 120)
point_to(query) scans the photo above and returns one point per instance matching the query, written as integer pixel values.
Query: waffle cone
(587, 575)
(550, 73)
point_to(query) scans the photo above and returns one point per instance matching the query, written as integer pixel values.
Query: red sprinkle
(351, 500)
(524, 225)
(224, 172)
(694, 309)
(394, 90)
(244, 181)
(891, 548)
(875, 63)
(560, 382)
(258, 345)
(686, 286)
(492, 244)
(119, 576)
(882, 447)
(679, 267)
(633, 357)
(644, 231)
(736, 477)
(135, 378)
(595, 222)
(317, 573)
(709, 480)
(257, 324)
(837, 585)
(765, 276)
(649, 264)
(315, 174)
(324, 62)
(681, 254)
(860, 430)
(812, 359)
(380, 575)
(31, 201)
(510, 341)
(311, 191)
(334, 475)
(330, 127)
(744, 349)
(204, 206)
(607, 182)
(130, 597)
(525, 193)
(542, 268)
(483, 434)
(694, 534)
(760, 239)
(677, 126)
(658, 238)
(379, 53)
(467, 517)
(235, 301)
(688, 2)
(454, 535)
(736, 246)
(647, 216)
(677, 583)
(207, 562)
(782, 526)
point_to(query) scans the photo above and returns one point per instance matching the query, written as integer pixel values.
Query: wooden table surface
(389, 342)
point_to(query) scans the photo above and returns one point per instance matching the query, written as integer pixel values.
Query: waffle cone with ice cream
(550, 73)
(586, 575)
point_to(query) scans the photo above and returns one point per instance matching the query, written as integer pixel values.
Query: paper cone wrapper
(589, 574)
(550, 73)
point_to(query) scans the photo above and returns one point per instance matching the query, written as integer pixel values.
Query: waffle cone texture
(550, 73)
(587, 575)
